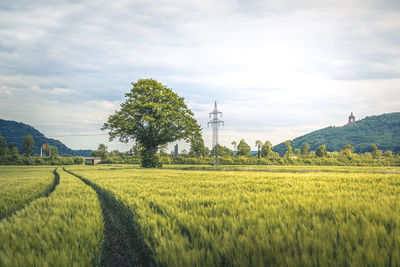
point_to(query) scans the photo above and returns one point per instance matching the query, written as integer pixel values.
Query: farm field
(293, 216)
(256, 168)
(288, 168)
(64, 228)
(200, 216)
(20, 185)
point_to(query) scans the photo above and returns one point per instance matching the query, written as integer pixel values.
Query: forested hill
(13, 131)
(382, 130)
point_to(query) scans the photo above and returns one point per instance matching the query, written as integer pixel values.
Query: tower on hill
(352, 120)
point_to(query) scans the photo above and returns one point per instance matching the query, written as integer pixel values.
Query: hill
(13, 131)
(382, 130)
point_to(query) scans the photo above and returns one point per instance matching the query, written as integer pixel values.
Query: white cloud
(5, 91)
(53, 91)
(277, 69)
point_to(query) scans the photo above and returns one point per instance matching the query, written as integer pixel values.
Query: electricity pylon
(215, 123)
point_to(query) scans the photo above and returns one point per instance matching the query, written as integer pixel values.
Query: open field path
(54, 185)
(45, 193)
(123, 243)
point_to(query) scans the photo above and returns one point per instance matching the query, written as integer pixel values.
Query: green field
(63, 229)
(229, 216)
(20, 185)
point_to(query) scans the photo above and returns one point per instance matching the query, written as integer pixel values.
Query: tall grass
(295, 169)
(64, 229)
(20, 185)
(206, 218)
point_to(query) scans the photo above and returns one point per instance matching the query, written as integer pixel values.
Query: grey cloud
(204, 50)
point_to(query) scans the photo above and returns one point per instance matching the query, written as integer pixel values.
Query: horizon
(186, 145)
(276, 70)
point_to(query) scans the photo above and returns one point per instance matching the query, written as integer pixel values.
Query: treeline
(10, 154)
(240, 154)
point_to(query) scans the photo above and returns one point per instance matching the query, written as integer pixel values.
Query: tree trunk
(149, 158)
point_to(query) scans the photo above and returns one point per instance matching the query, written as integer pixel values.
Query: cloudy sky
(278, 69)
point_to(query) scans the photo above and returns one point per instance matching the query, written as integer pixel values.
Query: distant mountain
(382, 130)
(13, 131)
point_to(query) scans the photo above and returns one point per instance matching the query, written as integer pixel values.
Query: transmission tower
(215, 123)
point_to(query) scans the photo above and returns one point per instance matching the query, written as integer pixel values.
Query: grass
(123, 243)
(255, 168)
(20, 185)
(254, 218)
(64, 229)
(202, 216)
(294, 169)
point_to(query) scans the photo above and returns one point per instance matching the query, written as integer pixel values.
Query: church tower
(352, 120)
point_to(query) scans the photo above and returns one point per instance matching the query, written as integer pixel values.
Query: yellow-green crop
(208, 218)
(20, 185)
(64, 229)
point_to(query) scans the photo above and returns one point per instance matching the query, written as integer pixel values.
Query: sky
(277, 69)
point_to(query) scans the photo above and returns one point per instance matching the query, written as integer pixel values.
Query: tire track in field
(54, 185)
(46, 193)
(123, 243)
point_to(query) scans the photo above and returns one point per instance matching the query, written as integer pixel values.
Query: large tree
(221, 151)
(13, 151)
(289, 150)
(259, 144)
(152, 115)
(234, 144)
(100, 152)
(305, 148)
(243, 149)
(28, 145)
(197, 147)
(53, 152)
(375, 153)
(321, 151)
(3, 146)
(266, 149)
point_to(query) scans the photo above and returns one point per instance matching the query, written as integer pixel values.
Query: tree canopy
(152, 115)
(13, 150)
(100, 152)
(259, 144)
(266, 149)
(234, 144)
(305, 148)
(197, 147)
(243, 149)
(3, 146)
(28, 145)
(289, 150)
(53, 151)
(321, 151)
(221, 151)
